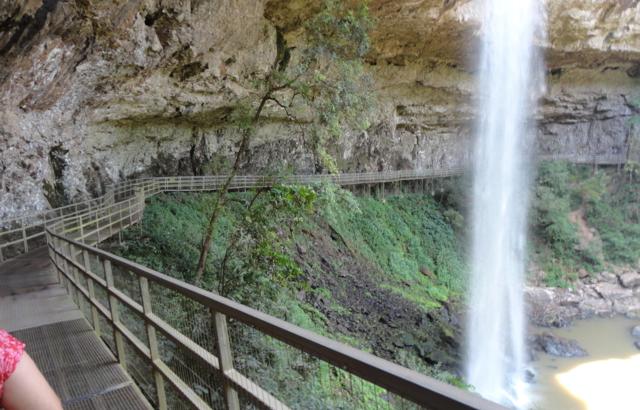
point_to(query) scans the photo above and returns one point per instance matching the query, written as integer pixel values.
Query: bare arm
(27, 389)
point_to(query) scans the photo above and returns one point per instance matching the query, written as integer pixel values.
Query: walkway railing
(18, 235)
(189, 348)
(186, 347)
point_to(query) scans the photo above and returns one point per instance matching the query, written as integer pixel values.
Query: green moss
(407, 242)
(610, 206)
(407, 237)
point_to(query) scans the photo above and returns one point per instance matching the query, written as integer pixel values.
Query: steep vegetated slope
(384, 275)
(584, 221)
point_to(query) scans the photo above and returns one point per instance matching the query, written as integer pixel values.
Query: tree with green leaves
(320, 82)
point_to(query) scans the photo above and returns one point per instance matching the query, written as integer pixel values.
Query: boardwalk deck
(79, 367)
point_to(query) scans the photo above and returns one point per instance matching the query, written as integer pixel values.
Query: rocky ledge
(96, 91)
(604, 295)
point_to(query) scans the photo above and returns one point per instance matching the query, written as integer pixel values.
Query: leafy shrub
(551, 208)
(556, 276)
(611, 206)
(620, 237)
(402, 236)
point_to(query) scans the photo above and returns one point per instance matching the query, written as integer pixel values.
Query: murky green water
(608, 379)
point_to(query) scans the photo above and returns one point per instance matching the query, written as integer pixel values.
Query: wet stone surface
(557, 346)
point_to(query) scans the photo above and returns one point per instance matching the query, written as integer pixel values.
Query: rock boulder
(612, 291)
(629, 307)
(630, 279)
(558, 346)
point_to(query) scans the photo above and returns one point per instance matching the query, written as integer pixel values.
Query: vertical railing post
(24, 237)
(110, 210)
(115, 315)
(97, 224)
(52, 254)
(61, 278)
(65, 266)
(81, 239)
(120, 222)
(92, 293)
(153, 343)
(76, 277)
(226, 359)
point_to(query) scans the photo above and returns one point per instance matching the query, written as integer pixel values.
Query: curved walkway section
(36, 308)
(19, 235)
(184, 345)
(181, 344)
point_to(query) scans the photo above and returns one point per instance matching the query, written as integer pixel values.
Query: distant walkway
(19, 235)
(79, 367)
(174, 362)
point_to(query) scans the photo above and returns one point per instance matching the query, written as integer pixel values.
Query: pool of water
(607, 379)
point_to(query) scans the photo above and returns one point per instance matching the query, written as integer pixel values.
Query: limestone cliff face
(93, 91)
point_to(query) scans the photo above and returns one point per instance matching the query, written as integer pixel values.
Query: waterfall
(510, 81)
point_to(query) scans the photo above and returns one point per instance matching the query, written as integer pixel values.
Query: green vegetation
(251, 258)
(402, 251)
(406, 241)
(584, 219)
(374, 273)
(407, 237)
(320, 82)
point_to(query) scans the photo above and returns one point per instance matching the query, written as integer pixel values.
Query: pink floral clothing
(11, 350)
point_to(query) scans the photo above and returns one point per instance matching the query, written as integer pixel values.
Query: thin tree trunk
(234, 240)
(222, 193)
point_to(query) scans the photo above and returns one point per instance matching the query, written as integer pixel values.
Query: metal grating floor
(79, 367)
(30, 294)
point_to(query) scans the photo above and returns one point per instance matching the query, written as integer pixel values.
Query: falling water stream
(509, 85)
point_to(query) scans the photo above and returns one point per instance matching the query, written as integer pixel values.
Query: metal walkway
(79, 367)
(183, 346)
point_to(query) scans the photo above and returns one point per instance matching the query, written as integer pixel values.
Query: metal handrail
(409, 384)
(70, 237)
(14, 231)
(9, 228)
(69, 242)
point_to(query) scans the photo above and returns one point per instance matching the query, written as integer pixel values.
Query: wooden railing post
(153, 344)
(54, 258)
(92, 293)
(50, 251)
(55, 241)
(81, 239)
(115, 315)
(226, 359)
(76, 277)
(97, 225)
(24, 237)
(65, 267)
